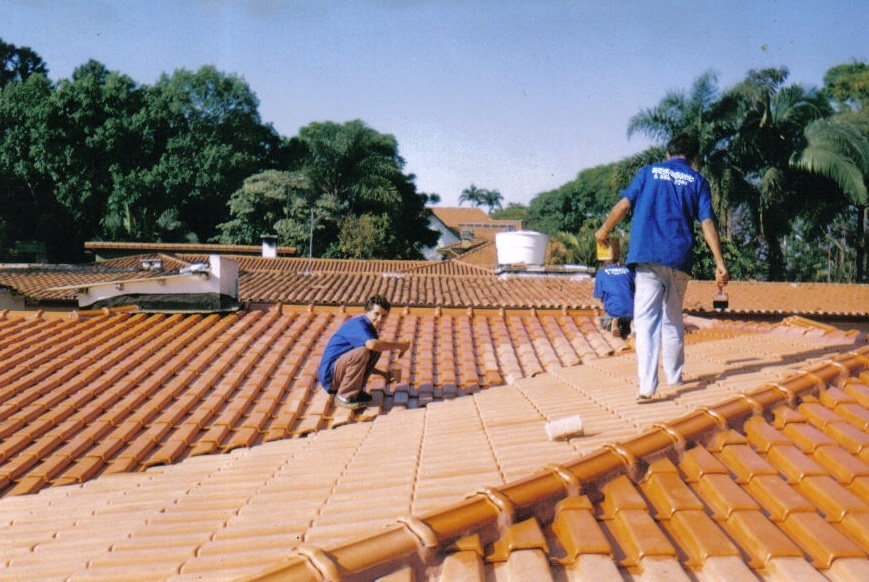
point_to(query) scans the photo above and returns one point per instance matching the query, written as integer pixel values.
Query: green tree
(350, 178)
(27, 208)
(472, 195)
(481, 197)
(87, 141)
(838, 148)
(492, 199)
(18, 63)
(772, 117)
(568, 207)
(367, 236)
(277, 202)
(201, 137)
(847, 85)
(514, 211)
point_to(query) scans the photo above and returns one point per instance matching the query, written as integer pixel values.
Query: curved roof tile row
(766, 485)
(772, 483)
(110, 392)
(416, 290)
(431, 283)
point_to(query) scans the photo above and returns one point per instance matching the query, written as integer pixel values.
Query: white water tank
(521, 246)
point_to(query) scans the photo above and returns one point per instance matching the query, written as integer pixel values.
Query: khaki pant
(352, 370)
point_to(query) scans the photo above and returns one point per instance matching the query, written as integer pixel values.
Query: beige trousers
(352, 370)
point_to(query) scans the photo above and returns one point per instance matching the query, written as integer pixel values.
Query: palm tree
(772, 118)
(679, 112)
(492, 199)
(838, 148)
(481, 197)
(704, 112)
(471, 194)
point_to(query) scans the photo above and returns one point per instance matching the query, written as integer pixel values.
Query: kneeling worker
(352, 353)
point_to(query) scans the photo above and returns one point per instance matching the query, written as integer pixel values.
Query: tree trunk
(861, 243)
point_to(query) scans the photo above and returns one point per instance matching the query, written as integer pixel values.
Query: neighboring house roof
(114, 249)
(777, 299)
(475, 220)
(464, 282)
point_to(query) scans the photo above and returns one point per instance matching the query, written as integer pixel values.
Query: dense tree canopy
(18, 63)
(347, 198)
(100, 156)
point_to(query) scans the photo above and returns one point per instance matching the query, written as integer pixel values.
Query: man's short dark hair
(378, 300)
(684, 144)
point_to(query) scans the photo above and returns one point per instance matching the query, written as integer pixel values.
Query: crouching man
(352, 353)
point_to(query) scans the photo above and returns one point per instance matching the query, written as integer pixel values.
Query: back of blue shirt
(614, 285)
(666, 199)
(352, 334)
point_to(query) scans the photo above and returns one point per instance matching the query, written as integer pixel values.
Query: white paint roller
(564, 428)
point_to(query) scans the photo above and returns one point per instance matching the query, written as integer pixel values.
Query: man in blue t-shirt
(352, 352)
(614, 286)
(666, 199)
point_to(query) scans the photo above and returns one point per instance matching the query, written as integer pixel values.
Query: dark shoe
(351, 403)
(363, 397)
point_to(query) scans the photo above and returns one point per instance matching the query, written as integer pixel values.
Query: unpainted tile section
(111, 392)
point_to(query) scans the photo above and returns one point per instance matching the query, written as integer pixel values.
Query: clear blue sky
(513, 95)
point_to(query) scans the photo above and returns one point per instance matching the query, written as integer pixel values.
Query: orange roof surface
(705, 483)
(106, 392)
(148, 446)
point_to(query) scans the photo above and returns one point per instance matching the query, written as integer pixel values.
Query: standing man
(665, 198)
(352, 352)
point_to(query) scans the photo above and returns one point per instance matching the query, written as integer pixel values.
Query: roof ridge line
(499, 506)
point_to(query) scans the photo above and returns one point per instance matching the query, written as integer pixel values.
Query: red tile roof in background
(476, 221)
(455, 283)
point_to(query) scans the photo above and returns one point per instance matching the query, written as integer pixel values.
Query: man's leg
(352, 370)
(647, 327)
(673, 326)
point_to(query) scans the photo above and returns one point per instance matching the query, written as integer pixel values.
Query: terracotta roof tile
(683, 510)
(707, 482)
(113, 393)
(458, 283)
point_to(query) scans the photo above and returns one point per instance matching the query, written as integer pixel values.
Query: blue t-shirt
(614, 284)
(666, 198)
(352, 334)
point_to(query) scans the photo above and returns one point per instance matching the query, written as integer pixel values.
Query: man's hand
(602, 237)
(403, 347)
(721, 275)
